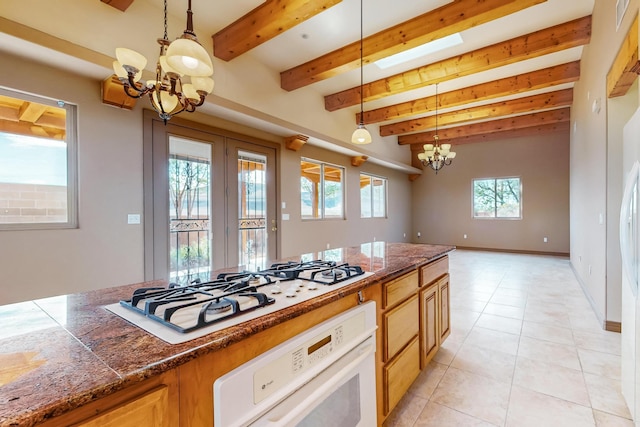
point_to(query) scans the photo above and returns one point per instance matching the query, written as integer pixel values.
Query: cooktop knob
(291, 292)
(312, 286)
(275, 289)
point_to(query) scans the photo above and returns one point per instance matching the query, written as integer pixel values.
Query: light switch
(133, 219)
(285, 217)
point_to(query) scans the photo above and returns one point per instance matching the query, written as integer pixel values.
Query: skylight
(420, 51)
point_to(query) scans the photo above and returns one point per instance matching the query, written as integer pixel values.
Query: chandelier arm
(138, 93)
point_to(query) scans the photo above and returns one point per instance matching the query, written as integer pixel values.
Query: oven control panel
(312, 355)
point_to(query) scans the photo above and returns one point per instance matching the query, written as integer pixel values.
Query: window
(373, 196)
(37, 162)
(497, 198)
(321, 190)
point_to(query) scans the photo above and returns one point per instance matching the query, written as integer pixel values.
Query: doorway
(210, 202)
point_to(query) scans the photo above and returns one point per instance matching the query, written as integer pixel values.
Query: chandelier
(361, 135)
(436, 155)
(183, 58)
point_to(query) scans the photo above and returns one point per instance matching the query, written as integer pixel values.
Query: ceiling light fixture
(436, 155)
(361, 135)
(184, 57)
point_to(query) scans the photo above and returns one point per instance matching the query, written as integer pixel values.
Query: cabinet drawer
(399, 289)
(400, 325)
(399, 374)
(434, 270)
(150, 409)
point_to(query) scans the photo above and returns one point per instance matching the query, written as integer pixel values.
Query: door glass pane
(340, 408)
(252, 209)
(189, 210)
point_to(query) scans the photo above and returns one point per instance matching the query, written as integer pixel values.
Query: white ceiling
(101, 28)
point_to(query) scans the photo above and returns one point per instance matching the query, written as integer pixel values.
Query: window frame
(71, 139)
(495, 181)
(373, 177)
(321, 200)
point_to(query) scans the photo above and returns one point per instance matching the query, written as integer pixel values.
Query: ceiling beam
(540, 79)
(449, 19)
(121, 5)
(504, 134)
(263, 23)
(625, 68)
(511, 123)
(554, 39)
(543, 101)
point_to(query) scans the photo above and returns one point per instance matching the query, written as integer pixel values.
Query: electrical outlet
(464, 236)
(544, 240)
(133, 219)
(419, 234)
(404, 235)
(328, 246)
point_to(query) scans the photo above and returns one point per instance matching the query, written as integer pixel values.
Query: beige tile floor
(525, 350)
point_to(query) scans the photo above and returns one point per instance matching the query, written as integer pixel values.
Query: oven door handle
(325, 388)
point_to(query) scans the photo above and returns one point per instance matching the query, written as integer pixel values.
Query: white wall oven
(322, 377)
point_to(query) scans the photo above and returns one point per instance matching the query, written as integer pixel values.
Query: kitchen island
(69, 357)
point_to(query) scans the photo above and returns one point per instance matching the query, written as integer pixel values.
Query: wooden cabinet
(400, 325)
(434, 308)
(445, 315)
(429, 335)
(400, 373)
(151, 409)
(153, 402)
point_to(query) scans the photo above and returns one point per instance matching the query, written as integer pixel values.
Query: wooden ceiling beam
(543, 101)
(31, 111)
(543, 42)
(449, 19)
(626, 66)
(121, 5)
(263, 23)
(30, 129)
(503, 134)
(540, 79)
(511, 123)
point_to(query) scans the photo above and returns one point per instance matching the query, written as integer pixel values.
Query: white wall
(593, 240)
(103, 250)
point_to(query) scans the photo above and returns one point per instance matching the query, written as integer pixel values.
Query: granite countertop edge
(122, 377)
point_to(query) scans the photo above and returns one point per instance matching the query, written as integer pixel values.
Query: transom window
(321, 190)
(497, 198)
(37, 162)
(373, 196)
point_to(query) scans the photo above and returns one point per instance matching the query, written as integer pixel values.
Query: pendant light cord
(361, 65)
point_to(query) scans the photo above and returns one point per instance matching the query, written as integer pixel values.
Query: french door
(209, 203)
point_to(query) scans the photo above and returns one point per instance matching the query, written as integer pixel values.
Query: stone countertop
(59, 353)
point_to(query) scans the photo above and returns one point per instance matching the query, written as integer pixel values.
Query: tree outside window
(497, 198)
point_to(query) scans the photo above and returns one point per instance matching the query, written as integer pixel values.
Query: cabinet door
(150, 409)
(443, 291)
(429, 331)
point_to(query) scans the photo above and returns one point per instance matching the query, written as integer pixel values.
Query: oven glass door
(342, 395)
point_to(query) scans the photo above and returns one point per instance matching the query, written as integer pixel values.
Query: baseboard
(613, 326)
(514, 251)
